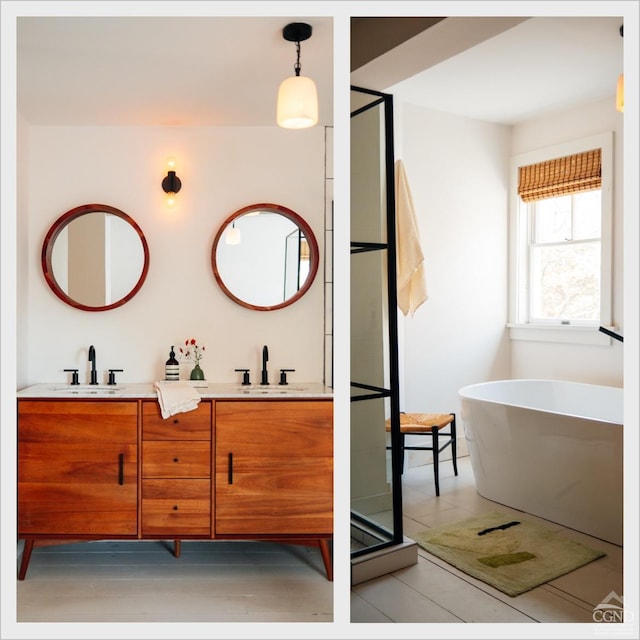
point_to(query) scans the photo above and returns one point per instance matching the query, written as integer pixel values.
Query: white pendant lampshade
(297, 106)
(297, 103)
(233, 235)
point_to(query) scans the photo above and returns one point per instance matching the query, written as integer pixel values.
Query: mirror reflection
(265, 256)
(95, 257)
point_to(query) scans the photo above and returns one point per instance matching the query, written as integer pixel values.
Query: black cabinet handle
(121, 468)
(231, 468)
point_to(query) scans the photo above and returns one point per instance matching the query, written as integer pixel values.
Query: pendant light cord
(296, 66)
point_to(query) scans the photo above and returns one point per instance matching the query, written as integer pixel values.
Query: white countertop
(303, 390)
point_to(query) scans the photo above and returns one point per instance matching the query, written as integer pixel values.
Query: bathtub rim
(464, 393)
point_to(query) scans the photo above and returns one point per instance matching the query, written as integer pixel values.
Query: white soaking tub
(549, 448)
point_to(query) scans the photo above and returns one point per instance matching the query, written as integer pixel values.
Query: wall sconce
(233, 235)
(171, 184)
(620, 87)
(297, 96)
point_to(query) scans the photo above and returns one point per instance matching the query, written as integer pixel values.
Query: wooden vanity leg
(323, 543)
(177, 548)
(26, 556)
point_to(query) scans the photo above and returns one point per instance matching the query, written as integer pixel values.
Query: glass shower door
(376, 498)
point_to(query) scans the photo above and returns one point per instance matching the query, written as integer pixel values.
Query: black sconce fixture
(171, 184)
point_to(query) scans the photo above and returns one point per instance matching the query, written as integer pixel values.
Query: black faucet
(92, 360)
(265, 358)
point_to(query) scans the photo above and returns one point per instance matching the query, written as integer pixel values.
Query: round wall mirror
(265, 257)
(95, 257)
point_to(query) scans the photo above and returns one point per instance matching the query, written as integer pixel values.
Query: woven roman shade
(561, 176)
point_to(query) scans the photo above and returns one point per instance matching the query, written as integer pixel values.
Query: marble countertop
(304, 390)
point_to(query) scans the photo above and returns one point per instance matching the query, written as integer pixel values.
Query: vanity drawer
(191, 425)
(176, 507)
(176, 459)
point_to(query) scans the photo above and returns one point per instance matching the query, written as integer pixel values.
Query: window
(561, 241)
(564, 259)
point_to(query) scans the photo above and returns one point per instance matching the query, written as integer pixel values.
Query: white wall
(580, 363)
(457, 170)
(22, 252)
(222, 170)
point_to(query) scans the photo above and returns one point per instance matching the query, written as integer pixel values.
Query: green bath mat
(511, 553)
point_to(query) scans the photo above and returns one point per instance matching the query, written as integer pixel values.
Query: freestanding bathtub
(549, 448)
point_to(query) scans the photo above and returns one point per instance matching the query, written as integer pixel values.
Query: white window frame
(519, 328)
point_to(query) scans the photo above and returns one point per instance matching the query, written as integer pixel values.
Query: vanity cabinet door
(274, 467)
(77, 467)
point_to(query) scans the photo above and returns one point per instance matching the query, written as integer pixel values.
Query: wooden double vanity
(247, 464)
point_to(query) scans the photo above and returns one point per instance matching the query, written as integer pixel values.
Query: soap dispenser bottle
(172, 367)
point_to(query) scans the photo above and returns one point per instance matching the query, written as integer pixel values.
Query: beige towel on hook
(412, 288)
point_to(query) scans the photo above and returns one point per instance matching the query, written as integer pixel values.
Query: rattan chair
(430, 425)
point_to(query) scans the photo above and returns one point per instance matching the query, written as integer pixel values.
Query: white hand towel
(176, 397)
(412, 288)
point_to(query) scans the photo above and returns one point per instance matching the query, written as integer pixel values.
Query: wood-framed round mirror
(265, 257)
(95, 257)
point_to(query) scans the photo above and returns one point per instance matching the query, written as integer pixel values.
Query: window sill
(555, 333)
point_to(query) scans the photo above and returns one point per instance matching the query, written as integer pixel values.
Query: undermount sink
(87, 389)
(270, 389)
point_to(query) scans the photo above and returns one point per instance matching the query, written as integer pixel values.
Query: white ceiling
(530, 68)
(225, 71)
(189, 71)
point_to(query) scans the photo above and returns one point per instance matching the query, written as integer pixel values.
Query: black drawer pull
(231, 468)
(176, 460)
(176, 421)
(121, 468)
(175, 507)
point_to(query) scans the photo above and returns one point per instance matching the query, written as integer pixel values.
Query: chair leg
(453, 445)
(436, 473)
(401, 453)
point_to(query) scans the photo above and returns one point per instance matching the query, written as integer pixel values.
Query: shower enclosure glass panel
(376, 500)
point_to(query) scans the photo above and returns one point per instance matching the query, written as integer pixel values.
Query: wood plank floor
(141, 581)
(433, 591)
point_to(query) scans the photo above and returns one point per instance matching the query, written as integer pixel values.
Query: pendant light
(233, 235)
(620, 87)
(297, 96)
(620, 93)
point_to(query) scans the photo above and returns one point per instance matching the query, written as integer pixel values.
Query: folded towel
(412, 288)
(176, 397)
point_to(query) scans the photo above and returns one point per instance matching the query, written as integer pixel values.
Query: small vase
(197, 373)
